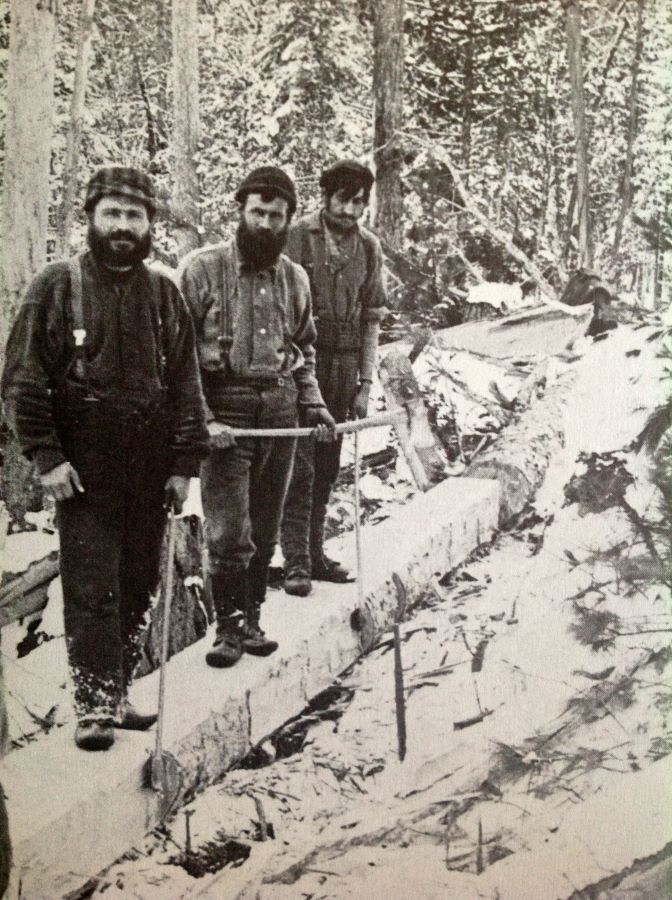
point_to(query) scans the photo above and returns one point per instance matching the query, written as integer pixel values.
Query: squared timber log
(72, 813)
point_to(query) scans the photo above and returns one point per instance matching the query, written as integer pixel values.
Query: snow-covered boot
(94, 735)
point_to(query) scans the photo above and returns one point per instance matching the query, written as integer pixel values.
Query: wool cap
(125, 182)
(268, 180)
(343, 171)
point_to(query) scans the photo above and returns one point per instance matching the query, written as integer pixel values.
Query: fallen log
(27, 593)
(519, 457)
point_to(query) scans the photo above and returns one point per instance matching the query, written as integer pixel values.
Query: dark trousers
(244, 487)
(110, 540)
(317, 465)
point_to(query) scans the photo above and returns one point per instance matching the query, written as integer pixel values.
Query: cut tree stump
(420, 447)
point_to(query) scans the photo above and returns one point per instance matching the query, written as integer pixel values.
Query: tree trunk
(186, 125)
(626, 185)
(573, 28)
(388, 71)
(71, 164)
(467, 94)
(25, 192)
(25, 195)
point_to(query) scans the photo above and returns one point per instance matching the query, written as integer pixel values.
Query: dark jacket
(139, 354)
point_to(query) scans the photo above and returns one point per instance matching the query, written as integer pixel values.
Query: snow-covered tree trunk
(77, 103)
(28, 127)
(388, 74)
(25, 190)
(626, 187)
(186, 125)
(573, 30)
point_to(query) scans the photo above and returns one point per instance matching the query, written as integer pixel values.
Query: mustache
(123, 236)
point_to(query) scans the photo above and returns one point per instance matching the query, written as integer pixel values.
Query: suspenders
(79, 331)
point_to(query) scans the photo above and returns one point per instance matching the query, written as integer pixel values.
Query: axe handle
(392, 417)
(165, 636)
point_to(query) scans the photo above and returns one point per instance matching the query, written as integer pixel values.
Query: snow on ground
(538, 709)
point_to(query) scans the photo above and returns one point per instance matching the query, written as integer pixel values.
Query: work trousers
(317, 464)
(110, 539)
(244, 486)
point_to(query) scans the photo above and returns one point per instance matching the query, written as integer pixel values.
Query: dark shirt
(139, 337)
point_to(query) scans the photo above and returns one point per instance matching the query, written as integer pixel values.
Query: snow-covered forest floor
(538, 696)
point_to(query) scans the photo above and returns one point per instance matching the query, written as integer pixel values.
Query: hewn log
(520, 456)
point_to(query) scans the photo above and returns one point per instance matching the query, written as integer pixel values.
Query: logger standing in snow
(101, 386)
(255, 332)
(344, 262)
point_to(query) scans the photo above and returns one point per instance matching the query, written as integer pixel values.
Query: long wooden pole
(388, 418)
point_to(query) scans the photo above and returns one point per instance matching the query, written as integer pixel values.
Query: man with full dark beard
(101, 386)
(255, 333)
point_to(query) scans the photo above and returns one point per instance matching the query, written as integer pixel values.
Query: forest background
(513, 140)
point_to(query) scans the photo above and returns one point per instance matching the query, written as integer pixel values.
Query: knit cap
(268, 180)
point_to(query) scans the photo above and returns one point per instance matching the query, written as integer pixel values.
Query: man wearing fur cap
(101, 387)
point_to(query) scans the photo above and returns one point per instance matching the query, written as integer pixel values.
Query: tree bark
(25, 192)
(77, 103)
(573, 31)
(186, 125)
(388, 72)
(25, 195)
(626, 186)
(467, 94)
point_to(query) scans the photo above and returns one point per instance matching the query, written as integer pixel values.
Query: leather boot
(255, 641)
(94, 735)
(132, 720)
(321, 567)
(297, 578)
(229, 598)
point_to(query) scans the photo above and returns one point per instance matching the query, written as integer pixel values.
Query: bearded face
(119, 233)
(262, 230)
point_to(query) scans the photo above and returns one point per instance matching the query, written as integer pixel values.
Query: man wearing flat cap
(344, 262)
(102, 388)
(251, 308)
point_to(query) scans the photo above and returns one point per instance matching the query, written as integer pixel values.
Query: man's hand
(221, 437)
(175, 492)
(360, 404)
(322, 422)
(61, 482)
